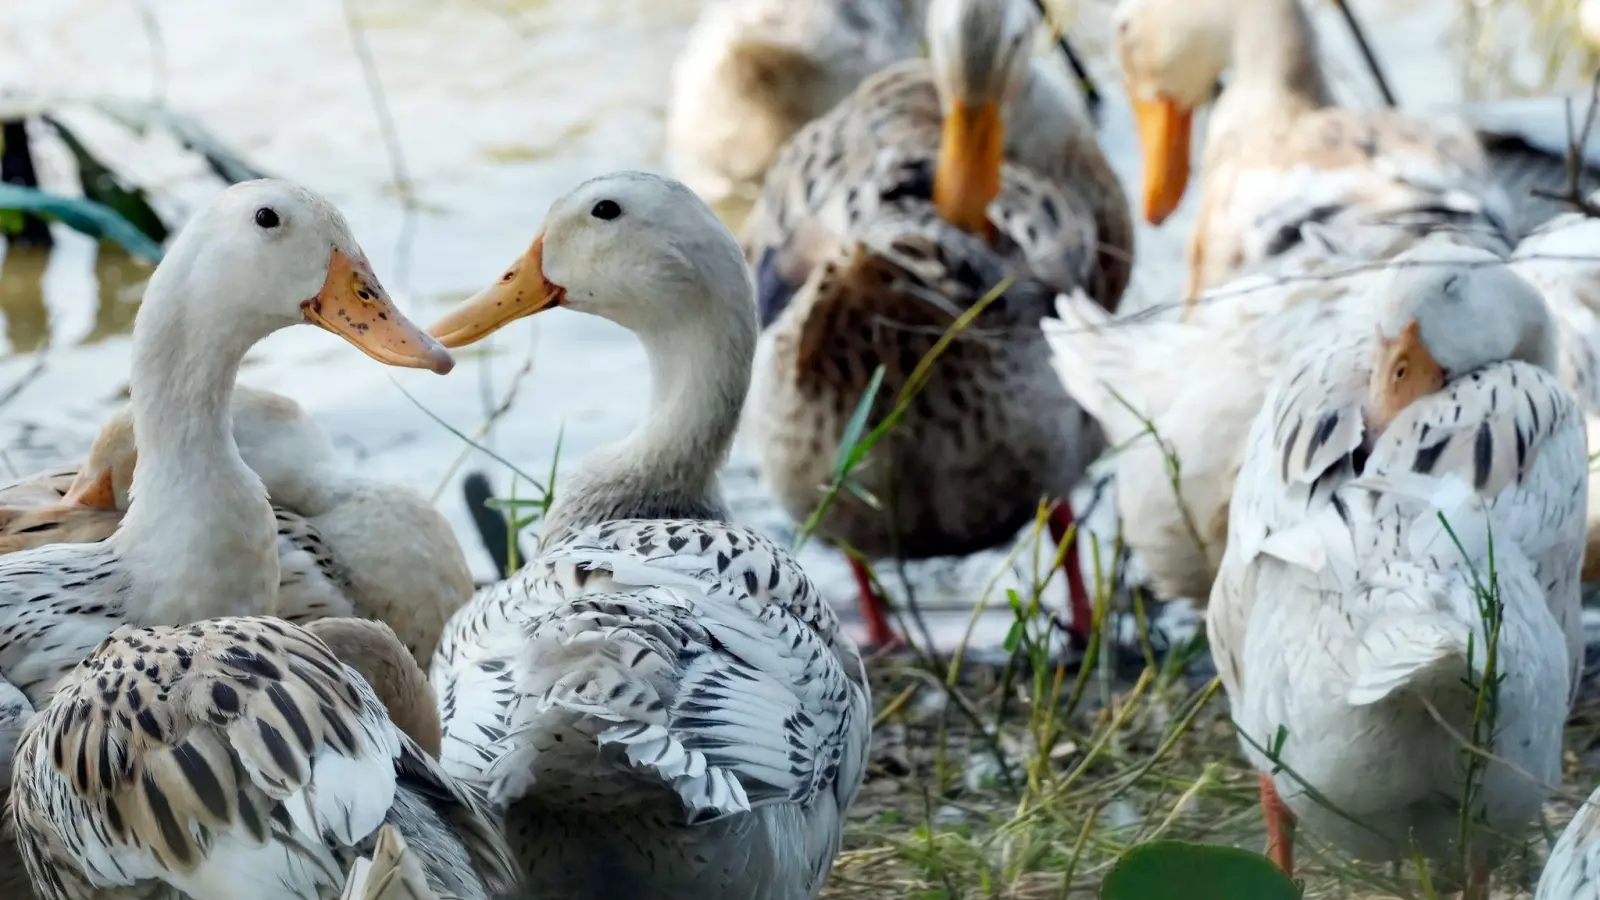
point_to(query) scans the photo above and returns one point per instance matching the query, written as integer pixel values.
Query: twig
(1091, 94)
(494, 415)
(1366, 52)
(391, 140)
(1572, 194)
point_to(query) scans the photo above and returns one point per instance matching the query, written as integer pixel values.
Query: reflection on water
(118, 278)
(22, 298)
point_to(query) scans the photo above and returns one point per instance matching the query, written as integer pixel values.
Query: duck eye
(266, 217)
(606, 209)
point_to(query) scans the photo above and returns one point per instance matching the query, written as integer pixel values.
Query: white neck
(199, 538)
(1274, 57)
(699, 377)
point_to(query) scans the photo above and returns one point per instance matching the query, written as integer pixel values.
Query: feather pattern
(680, 683)
(233, 758)
(857, 268)
(1373, 599)
(1573, 870)
(1197, 383)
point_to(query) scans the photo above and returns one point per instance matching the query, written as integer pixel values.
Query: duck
(380, 549)
(1558, 259)
(1278, 151)
(753, 72)
(1175, 394)
(660, 703)
(199, 536)
(1397, 478)
(878, 226)
(244, 758)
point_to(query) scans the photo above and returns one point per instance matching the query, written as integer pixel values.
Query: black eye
(266, 217)
(606, 209)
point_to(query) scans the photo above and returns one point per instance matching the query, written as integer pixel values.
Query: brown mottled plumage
(884, 221)
(239, 758)
(753, 72)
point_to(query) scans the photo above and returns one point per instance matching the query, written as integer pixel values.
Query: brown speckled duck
(878, 226)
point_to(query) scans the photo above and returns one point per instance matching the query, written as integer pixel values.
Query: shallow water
(500, 105)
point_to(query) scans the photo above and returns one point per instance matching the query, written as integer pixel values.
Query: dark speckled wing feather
(232, 758)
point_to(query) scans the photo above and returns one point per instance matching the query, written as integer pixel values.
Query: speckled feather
(1062, 207)
(1573, 870)
(993, 432)
(1200, 380)
(232, 758)
(678, 684)
(67, 600)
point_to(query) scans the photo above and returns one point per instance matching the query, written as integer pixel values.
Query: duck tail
(493, 528)
(1414, 651)
(1084, 349)
(393, 872)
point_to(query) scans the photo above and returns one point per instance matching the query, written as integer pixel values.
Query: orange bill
(91, 490)
(353, 305)
(1405, 372)
(521, 291)
(971, 151)
(1164, 135)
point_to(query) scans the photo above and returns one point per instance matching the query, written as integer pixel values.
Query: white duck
(198, 539)
(754, 71)
(1199, 382)
(1559, 259)
(1370, 617)
(1278, 152)
(347, 544)
(662, 703)
(244, 759)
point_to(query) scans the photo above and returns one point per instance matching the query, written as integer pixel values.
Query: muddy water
(499, 105)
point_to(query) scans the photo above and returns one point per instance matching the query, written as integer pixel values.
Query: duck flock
(231, 670)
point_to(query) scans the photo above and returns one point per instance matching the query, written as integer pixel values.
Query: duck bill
(521, 291)
(1405, 372)
(91, 490)
(1164, 130)
(354, 306)
(971, 151)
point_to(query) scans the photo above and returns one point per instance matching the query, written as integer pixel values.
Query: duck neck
(1275, 55)
(668, 467)
(199, 535)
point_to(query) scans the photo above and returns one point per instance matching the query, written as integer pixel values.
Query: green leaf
(847, 453)
(1176, 870)
(103, 186)
(1013, 637)
(504, 503)
(80, 214)
(11, 222)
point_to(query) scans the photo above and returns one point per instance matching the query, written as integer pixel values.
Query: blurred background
(443, 129)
